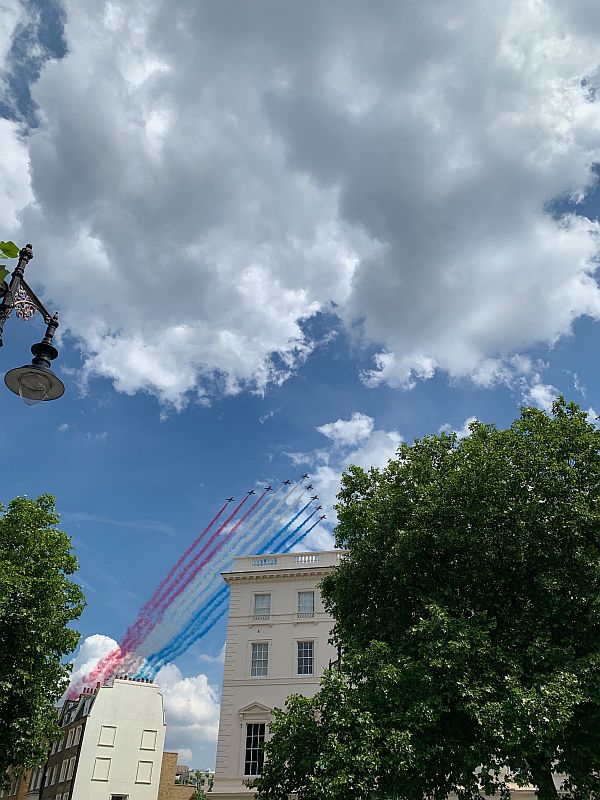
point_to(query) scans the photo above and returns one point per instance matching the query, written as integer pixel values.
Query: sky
(283, 237)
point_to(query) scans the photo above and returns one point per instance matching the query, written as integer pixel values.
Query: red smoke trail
(226, 538)
(138, 630)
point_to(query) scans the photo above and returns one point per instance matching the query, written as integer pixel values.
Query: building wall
(167, 790)
(247, 699)
(116, 756)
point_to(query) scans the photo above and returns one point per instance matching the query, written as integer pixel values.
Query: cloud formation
(208, 176)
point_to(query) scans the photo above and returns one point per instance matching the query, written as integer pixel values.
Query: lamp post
(34, 382)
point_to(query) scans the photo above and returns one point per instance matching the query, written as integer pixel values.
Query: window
(255, 739)
(144, 772)
(71, 769)
(63, 770)
(70, 738)
(34, 777)
(77, 737)
(148, 740)
(306, 604)
(54, 775)
(262, 606)
(260, 659)
(101, 769)
(119, 797)
(107, 736)
(306, 658)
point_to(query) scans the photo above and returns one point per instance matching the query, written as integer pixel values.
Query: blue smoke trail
(275, 545)
(303, 535)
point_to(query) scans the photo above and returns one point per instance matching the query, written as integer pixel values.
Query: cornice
(278, 575)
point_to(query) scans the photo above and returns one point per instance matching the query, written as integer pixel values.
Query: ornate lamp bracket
(26, 303)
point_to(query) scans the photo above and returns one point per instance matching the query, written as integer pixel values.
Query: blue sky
(275, 228)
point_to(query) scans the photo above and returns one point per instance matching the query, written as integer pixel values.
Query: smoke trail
(195, 594)
(181, 637)
(188, 635)
(275, 546)
(181, 644)
(303, 535)
(201, 599)
(281, 531)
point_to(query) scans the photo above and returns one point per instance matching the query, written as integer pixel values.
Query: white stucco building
(123, 743)
(111, 747)
(277, 645)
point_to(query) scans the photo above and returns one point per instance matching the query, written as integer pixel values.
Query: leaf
(9, 249)
(3, 273)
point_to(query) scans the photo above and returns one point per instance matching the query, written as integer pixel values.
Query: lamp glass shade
(34, 387)
(34, 384)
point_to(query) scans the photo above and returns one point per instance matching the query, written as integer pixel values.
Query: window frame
(298, 657)
(256, 612)
(259, 748)
(253, 645)
(302, 613)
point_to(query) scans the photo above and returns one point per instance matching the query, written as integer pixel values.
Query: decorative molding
(277, 575)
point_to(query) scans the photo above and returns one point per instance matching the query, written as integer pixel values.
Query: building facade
(277, 645)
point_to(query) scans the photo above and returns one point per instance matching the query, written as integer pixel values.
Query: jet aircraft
(315, 497)
(309, 487)
(305, 476)
(251, 492)
(267, 488)
(323, 517)
(286, 483)
(230, 499)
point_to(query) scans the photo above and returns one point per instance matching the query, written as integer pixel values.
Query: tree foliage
(37, 602)
(468, 612)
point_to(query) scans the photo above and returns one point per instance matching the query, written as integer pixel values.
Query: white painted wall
(130, 708)
(250, 699)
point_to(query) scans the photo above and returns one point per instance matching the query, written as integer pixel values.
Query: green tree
(37, 602)
(468, 612)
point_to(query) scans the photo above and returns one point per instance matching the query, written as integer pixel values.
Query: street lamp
(34, 382)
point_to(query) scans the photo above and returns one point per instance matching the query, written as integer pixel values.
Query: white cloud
(97, 437)
(461, 433)
(355, 441)
(15, 191)
(218, 659)
(192, 712)
(92, 649)
(351, 431)
(63, 427)
(191, 703)
(541, 395)
(207, 177)
(592, 417)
